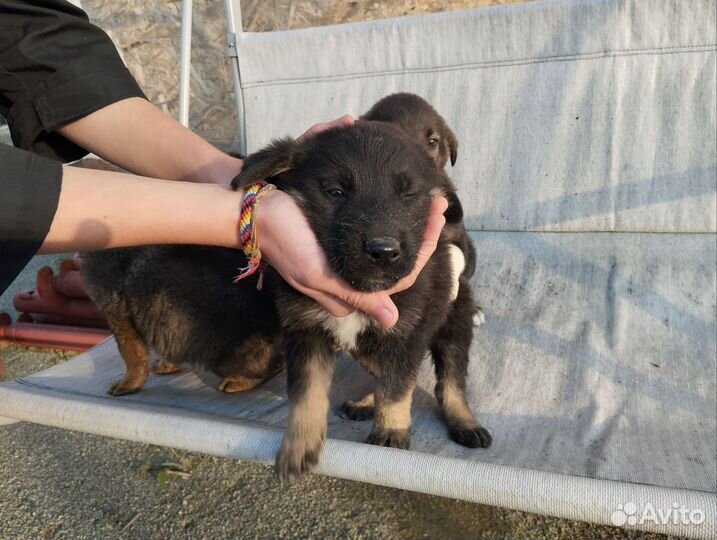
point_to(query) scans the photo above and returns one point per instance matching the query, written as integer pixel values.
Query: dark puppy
(365, 191)
(181, 302)
(417, 118)
(420, 121)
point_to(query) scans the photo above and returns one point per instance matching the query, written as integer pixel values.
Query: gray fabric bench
(587, 167)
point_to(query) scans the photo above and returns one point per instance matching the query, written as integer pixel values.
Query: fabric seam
(658, 51)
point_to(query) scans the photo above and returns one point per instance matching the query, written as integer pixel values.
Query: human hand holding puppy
(289, 245)
(100, 209)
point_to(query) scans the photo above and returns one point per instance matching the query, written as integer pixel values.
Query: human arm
(140, 138)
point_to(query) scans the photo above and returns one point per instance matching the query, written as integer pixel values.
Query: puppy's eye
(335, 193)
(433, 142)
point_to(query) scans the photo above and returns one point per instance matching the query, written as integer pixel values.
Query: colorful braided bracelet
(248, 235)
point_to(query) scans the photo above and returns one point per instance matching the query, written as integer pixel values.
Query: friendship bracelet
(248, 235)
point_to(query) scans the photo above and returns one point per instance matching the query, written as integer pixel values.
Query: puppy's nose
(383, 250)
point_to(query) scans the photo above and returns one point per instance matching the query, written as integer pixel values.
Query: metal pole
(185, 61)
(232, 12)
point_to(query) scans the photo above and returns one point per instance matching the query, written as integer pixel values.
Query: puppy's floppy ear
(267, 164)
(452, 145)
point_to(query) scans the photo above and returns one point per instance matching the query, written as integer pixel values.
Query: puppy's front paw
(394, 438)
(297, 457)
(355, 410)
(472, 437)
(478, 317)
(125, 386)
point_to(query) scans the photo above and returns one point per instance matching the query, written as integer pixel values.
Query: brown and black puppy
(366, 191)
(181, 302)
(417, 118)
(420, 121)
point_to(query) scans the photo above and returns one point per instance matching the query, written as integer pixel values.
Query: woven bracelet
(248, 234)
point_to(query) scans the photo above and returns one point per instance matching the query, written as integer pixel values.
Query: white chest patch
(458, 264)
(346, 329)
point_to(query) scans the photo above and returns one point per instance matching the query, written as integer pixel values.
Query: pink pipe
(51, 336)
(51, 318)
(70, 283)
(49, 300)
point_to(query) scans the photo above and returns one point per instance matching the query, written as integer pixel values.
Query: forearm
(137, 136)
(101, 209)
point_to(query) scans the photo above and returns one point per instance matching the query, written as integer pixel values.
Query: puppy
(420, 121)
(181, 302)
(365, 191)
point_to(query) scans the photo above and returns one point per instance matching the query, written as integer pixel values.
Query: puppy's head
(365, 190)
(415, 116)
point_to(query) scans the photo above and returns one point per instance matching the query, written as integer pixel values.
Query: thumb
(378, 306)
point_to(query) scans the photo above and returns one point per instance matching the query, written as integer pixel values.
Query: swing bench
(587, 170)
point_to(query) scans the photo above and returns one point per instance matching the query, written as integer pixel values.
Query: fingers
(435, 224)
(345, 120)
(330, 303)
(340, 299)
(378, 306)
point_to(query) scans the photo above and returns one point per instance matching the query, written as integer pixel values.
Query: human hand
(289, 245)
(344, 121)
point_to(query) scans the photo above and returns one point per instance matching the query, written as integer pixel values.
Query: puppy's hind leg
(165, 367)
(133, 349)
(450, 351)
(362, 409)
(255, 361)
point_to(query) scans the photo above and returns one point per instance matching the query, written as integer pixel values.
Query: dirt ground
(56, 484)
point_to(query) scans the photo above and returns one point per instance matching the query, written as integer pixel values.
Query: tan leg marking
(165, 367)
(395, 415)
(305, 434)
(366, 401)
(232, 385)
(359, 410)
(463, 427)
(455, 407)
(136, 358)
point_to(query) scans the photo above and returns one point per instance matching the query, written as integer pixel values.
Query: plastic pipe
(51, 336)
(32, 302)
(64, 320)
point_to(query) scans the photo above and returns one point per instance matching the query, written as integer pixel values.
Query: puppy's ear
(452, 145)
(269, 163)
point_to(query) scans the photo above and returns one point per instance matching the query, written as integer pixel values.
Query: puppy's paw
(165, 367)
(296, 458)
(478, 317)
(355, 410)
(232, 385)
(472, 437)
(124, 386)
(394, 438)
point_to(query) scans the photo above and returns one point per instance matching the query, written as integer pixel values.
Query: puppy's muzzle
(383, 251)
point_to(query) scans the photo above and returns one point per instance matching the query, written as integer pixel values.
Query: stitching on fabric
(659, 51)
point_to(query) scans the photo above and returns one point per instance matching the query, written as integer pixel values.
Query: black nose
(383, 250)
